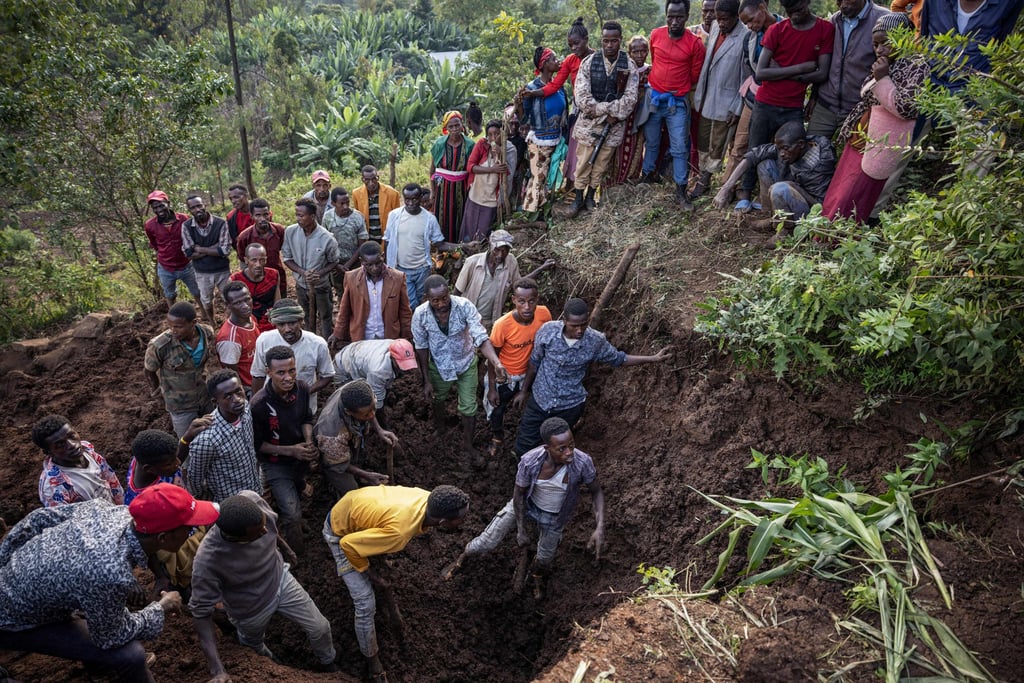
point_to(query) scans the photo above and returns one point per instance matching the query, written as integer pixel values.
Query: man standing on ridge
(270, 236)
(205, 239)
(375, 201)
(677, 56)
(164, 233)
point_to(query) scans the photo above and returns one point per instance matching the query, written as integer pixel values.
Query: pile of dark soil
(654, 432)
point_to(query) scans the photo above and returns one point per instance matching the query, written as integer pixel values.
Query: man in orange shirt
(512, 338)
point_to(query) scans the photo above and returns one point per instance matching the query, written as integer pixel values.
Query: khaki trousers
(589, 176)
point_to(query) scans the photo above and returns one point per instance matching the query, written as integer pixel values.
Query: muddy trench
(653, 431)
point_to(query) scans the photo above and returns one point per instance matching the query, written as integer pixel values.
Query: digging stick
(314, 322)
(613, 284)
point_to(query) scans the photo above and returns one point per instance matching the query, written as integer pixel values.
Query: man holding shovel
(605, 93)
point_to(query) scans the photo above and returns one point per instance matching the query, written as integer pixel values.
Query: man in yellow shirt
(377, 520)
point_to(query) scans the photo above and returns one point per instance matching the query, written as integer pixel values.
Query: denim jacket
(543, 125)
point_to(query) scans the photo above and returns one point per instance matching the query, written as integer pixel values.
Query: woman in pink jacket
(878, 131)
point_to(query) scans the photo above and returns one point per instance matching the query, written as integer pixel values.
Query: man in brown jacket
(375, 304)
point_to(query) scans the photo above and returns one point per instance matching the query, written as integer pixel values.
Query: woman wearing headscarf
(630, 154)
(487, 168)
(448, 158)
(578, 39)
(878, 131)
(546, 117)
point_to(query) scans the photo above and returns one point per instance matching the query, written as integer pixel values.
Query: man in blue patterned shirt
(60, 562)
(562, 352)
(446, 332)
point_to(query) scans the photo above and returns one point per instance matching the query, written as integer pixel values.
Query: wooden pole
(246, 163)
(613, 284)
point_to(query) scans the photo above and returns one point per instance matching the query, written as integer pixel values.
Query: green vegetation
(38, 289)
(930, 299)
(872, 544)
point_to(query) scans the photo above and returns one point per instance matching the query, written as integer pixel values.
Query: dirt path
(653, 431)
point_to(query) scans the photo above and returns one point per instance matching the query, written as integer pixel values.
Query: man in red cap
(164, 233)
(321, 193)
(79, 611)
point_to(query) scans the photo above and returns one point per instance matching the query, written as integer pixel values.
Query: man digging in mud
(240, 563)
(547, 488)
(446, 331)
(380, 520)
(340, 434)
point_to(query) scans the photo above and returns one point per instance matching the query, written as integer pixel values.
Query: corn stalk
(847, 536)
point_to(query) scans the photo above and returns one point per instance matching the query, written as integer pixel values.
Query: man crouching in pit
(546, 491)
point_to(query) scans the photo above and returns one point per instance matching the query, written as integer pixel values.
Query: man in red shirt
(236, 339)
(261, 282)
(164, 233)
(270, 235)
(677, 56)
(795, 53)
(238, 218)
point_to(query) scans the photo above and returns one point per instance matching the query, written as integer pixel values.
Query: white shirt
(312, 358)
(375, 321)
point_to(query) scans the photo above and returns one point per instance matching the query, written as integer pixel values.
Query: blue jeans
(548, 531)
(169, 280)
(677, 120)
(414, 281)
(70, 640)
(784, 196)
(364, 604)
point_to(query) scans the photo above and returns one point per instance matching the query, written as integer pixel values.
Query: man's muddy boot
(651, 178)
(375, 670)
(588, 201)
(576, 206)
(540, 585)
(703, 183)
(684, 203)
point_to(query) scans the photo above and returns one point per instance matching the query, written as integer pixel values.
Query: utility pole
(246, 163)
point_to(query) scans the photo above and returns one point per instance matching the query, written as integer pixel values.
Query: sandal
(744, 205)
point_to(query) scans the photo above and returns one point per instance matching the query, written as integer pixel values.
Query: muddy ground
(654, 432)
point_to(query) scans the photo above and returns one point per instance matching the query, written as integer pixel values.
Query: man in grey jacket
(717, 96)
(852, 58)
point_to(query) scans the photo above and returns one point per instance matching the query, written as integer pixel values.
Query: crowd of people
(345, 300)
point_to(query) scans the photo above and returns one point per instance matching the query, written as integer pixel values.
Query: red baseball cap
(321, 175)
(157, 196)
(165, 507)
(403, 353)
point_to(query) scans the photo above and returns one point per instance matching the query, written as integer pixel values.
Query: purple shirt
(581, 471)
